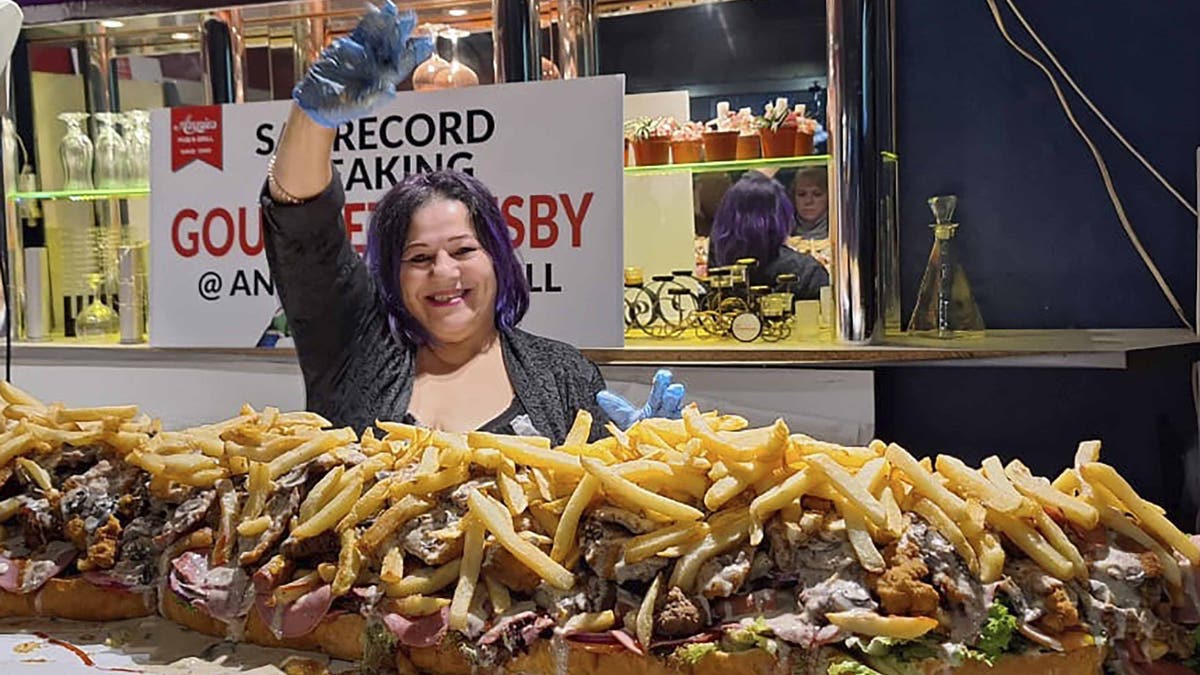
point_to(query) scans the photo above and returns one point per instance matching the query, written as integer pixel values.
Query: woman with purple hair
(754, 220)
(425, 329)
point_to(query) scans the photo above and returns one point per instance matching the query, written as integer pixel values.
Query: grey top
(355, 370)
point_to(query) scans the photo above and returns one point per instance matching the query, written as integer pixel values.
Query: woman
(753, 221)
(426, 329)
(811, 193)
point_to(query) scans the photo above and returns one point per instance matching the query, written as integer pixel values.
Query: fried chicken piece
(900, 588)
(76, 533)
(102, 554)
(1061, 613)
(1151, 564)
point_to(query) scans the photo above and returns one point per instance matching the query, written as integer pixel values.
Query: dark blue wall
(1043, 246)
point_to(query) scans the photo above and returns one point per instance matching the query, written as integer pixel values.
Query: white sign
(549, 151)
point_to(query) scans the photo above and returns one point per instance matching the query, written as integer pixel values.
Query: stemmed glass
(457, 75)
(137, 138)
(97, 322)
(112, 153)
(76, 152)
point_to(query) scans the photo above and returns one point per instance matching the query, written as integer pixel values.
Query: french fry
(776, 498)
(9, 508)
(568, 524)
(581, 430)
(187, 464)
(418, 605)
(726, 531)
(993, 471)
(468, 573)
(625, 490)
(862, 622)
(643, 546)
(328, 516)
(1033, 544)
(860, 540)
(367, 505)
(16, 396)
(499, 522)
(36, 473)
(425, 580)
(1067, 482)
(945, 525)
(404, 509)
(1058, 539)
(800, 446)
(511, 492)
(521, 451)
(1076, 510)
(1086, 453)
(644, 623)
(1118, 523)
(925, 484)
(590, 622)
(850, 488)
(254, 526)
(991, 557)
(763, 444)
(205, 478)
(125, 441)
(391, 569)
(302, 418)
(895, 518)
(349, 565)
(63, 437)
(310, 449)
(498, 594)
(122, 412)
(969, 484)
(322, 492)
(699, 428)
(1150, 518)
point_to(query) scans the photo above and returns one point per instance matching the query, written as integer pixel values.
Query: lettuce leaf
(996, 638)
(693, 653)
(756, 634)
(1193, 661)
(850, 667)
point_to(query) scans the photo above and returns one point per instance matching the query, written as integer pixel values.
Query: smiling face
(447, 280)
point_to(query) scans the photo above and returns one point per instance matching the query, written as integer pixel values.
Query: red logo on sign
(196, 136)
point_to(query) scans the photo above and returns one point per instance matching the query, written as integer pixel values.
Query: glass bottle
(945, 304)
(137, 138)
(76, 152)
(98, 323)
(112, 153)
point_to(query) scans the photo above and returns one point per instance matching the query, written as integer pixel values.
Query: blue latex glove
(358, 72)
(666, 400)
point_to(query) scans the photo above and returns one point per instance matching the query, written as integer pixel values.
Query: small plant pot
(652, 151)
(686, 152)
(720, 146)
(804, 144)
(748, 147)
(779, 142)
(626, 160)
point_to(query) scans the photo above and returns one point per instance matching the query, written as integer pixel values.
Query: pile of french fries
(702, 485)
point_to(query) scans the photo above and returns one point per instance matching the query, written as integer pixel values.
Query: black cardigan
(355, 371)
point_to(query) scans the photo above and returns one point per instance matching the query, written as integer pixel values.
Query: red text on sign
(542, 221)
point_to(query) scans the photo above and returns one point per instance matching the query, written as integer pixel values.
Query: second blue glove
(665, 400)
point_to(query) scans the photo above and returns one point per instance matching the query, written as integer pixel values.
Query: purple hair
(753, 220)
(389, 232)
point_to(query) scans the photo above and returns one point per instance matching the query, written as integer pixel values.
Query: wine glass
(98, 322)
(457, 75)
(137, 138)
(112, 153)
(76, 152)
(425, 77)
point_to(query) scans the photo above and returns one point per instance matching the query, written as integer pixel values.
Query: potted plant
(650, 138)
(721, 135)
(777, 129)
(806, 128)
(748, 145)
(687, 143)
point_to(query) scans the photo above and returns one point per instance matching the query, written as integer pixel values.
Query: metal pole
(309, 38)
(853, 115)
(515, 32)
(577, 54)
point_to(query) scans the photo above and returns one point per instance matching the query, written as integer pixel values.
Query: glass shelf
(738, 165)
(82, 195)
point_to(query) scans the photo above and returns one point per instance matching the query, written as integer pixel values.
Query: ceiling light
(112, 23)
(457, 11)
(181, 36)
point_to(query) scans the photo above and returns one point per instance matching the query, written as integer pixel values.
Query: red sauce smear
(83, 656)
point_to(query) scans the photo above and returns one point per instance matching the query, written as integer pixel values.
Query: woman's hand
(666, 400)
(357, 73)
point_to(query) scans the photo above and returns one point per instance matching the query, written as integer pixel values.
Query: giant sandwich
(688, 546)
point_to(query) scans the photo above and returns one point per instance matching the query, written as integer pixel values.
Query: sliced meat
(435, 537)
(321, 546)
(724, 575)
(296, 618)
(516, 633)
(642, 571)
(28, 575)
(425, 631)
(40, 523)
(844, 591)
(224, 592)
(560, 604)
(506, 569)
(804, 558)
(187, 516)
(626, 519)
(679, 616)
(93, 494)
(281, 507)
(603, 546)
